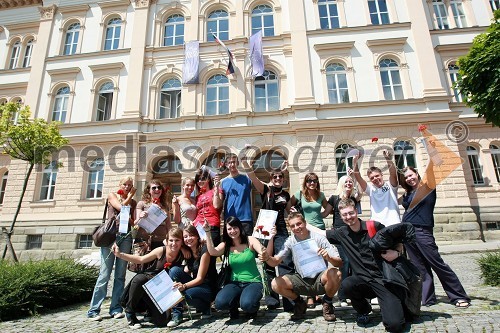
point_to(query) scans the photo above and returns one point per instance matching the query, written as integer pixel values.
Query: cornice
(19, 3)
(363, 28)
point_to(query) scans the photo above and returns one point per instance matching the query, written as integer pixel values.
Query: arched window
(328, 14)
(454, 76)
(217, 95)
(168, 169)
(404, 154)
(266, 92)
(341, 159)
(113, 33)
(495, 156)
(218, 23)
(96, 179)
(441, 14)
(475, 167)
(49, 177)
(262, 19)
(391, 79)
(174, 30)
(14, 55)
(378, 11)
(27, 53)
(105, 101)
(61, 104)
(71, 39)
(336, 80)
(170, 99)
(3, 185)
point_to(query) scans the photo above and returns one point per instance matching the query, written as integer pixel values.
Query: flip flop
(462, 304)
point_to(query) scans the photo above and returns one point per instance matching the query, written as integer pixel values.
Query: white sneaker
(343, 303)
(96, 318)
(374, 301)
(118, 315)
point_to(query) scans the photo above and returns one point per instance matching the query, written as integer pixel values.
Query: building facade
(338, 74)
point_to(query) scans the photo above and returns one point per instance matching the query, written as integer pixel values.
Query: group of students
(354, 265)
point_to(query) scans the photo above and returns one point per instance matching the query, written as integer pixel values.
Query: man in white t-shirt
(383, 195)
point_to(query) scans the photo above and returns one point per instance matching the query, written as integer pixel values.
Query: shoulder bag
(139, 249)
(105, 234)
(224, 276)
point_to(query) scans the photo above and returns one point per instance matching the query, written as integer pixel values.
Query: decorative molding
(47, 13)
(63, 71)
(114, 3)
(392, 42)
(103, 67)
(17, 3)
(144, 3)
(74, 10)
(334, 46)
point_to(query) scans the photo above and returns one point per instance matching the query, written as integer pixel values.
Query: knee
(174, 272)
(276, 284)
(394, 326)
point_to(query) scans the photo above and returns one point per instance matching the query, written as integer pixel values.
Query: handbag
(224, 275)
(105, 234)
(298, 205)
(139, 249)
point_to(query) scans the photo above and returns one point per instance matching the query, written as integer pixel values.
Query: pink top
(206, 209)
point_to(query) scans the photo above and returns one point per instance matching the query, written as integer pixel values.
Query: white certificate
(201, 231)
(124, 219)
(267, 219)
(161, 291)
(310, 262)
(155, 217)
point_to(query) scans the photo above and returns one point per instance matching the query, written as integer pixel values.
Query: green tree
(480, 74)
(30, 140)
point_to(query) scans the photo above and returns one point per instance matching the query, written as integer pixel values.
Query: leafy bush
(30, 287)
(489, 264)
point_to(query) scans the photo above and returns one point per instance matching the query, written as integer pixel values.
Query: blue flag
(256, 56)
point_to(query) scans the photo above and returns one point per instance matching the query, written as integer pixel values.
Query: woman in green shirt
(245, 289)
(312, 200)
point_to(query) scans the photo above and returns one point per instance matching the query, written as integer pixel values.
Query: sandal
(462, 304)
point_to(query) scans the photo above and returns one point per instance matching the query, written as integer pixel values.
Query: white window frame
(171, 88)
(335, 74)
(458, 12)
(441, 18)
(219, 90)
(269, 79)
(114, 24)
(3, 186)
(27, 53)
(175, 33)
(15, 54)
(330, 16)
(106, 96)
(95, 180)
(61, 102)
(404, 149)
(495, 159)
(71, 38)
(48, 182)
(378, 13)
(341, 151)
(217, 16)
(475, 166)
(393, 73)
(260, 12)
(454, 76)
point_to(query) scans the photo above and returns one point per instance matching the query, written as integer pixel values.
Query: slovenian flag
(230, 66)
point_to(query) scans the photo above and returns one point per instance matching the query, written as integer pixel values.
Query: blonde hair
(341, 192)
(126, 179)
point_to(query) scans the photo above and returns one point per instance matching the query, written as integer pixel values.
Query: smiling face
(411, 178)
(188, 187)
(277, 179)
(155, 190)
(174, 243)
(348, 184)
(376, 178)
(350, 217)
(311, 183)
(232, 164)
(233, 232)
(190, 240)
(298, 227)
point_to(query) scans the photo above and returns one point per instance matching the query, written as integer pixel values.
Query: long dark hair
(203, 174)
(402, 178)
(235, 223)
(191, 229)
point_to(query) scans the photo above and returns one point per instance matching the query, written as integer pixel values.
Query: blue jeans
(101, 285)
(200, 296)
(244, 295)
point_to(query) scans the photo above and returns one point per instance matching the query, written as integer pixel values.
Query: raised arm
(176, 209)
(218, 198)
(214, 251)
(393, 174)
(356, 173)
(259, 185)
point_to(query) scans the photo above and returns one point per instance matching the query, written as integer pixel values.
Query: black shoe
(133, 322)
(234, 314)
(299, 309)
(252, 315)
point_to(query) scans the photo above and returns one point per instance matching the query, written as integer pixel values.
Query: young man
(367, 280)
(383, 195)
(274, 197)
(293, 285)
(237, 190)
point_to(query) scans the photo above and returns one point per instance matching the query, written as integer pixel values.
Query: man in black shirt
(366, 281)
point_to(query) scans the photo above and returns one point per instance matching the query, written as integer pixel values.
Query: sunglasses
(312, 181)
(277, 176)
(156, 188)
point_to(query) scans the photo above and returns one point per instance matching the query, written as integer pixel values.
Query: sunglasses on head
(156, 188)
(277, 176)
(311, 181)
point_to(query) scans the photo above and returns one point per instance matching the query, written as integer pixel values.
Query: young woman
(153, 193)
(184, 205)
(418, 202)
(209, 202)
(274, 198)
(346, 189)
(312, 201)
(245, 288)
(116, 200)
(137, 299)
(198, 278)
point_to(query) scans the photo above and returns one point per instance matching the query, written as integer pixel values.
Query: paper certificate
(155, 217)
(266, 219)
(124, 219)
(201, 231)
(160, 290)
(310, 262)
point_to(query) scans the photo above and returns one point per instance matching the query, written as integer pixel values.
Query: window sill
(90, 202)
(42, 203)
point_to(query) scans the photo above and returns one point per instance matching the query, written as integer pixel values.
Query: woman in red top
(208, 202)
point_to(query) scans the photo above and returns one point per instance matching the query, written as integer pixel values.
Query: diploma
(124, 219)
(266, 219)
(155, 217)
(161, 291)
(310, 262)
(201, 232)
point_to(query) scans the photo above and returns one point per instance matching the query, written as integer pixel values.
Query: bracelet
(184, 285)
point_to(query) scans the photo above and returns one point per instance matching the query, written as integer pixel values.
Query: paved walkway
(482, 316)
